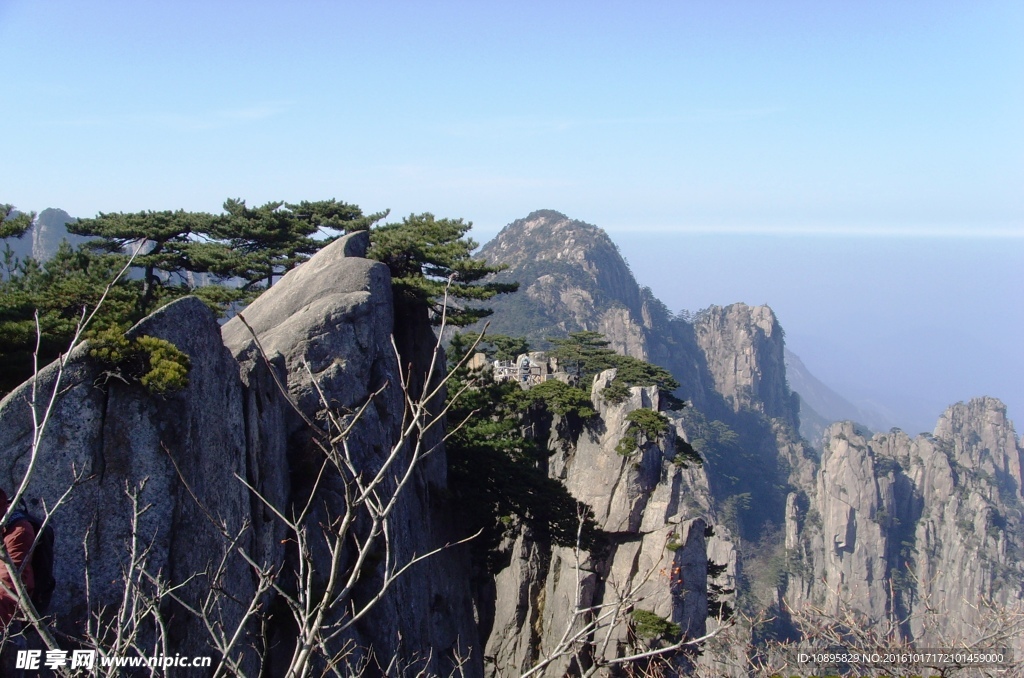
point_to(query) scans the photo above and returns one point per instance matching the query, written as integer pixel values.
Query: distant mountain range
(573, 278)
(927, 530)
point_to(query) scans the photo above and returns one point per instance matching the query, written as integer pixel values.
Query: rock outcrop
(143, 474)
(727, 360)
(851, 508)
(923, 535)
(881, 525)
(658, 515)
(242, 417)
(745, 355)
(330, 323)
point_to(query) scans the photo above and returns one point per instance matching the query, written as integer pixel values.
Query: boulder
(326, 330)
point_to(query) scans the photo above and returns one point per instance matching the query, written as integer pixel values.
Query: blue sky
(855, 121)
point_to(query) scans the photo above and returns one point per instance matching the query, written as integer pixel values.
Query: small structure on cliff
(528, 369)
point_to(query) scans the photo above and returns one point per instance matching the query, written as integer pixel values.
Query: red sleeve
(19, 540)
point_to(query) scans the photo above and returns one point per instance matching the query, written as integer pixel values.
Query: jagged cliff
(729, 360)
(922, 534)
(886, 527)
(573, 278)
(744, 351)
(659, 521)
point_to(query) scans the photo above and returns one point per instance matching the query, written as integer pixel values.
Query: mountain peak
(550, 235)
(43, 237)
(54, 216)
(553, 215)
(572, 276)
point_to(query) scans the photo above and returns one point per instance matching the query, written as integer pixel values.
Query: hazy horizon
(908, 325)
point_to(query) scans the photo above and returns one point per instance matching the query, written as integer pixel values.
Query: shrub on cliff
(586, 354)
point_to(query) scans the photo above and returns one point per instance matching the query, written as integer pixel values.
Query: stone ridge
(929, 530)
(947, 504)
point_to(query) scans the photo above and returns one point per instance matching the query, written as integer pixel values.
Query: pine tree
(586, 354)
(168, 240)
(427, 256)
(503, 347)
(266, 242)
(57, 290)
(332, 215)
(498, 474)
(14, 227)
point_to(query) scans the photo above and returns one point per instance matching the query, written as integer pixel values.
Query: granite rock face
(657, 514)
(746, 357)
(178, 454)
(970, 535)
(244, 416)
(924, 532)
(729, 363)
(852, 503)
(330, 322)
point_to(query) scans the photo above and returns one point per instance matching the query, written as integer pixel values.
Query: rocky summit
(572, 277)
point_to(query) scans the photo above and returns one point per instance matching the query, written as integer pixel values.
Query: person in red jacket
(18, 539)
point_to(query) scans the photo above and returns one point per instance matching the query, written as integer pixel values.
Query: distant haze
(910, 325)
